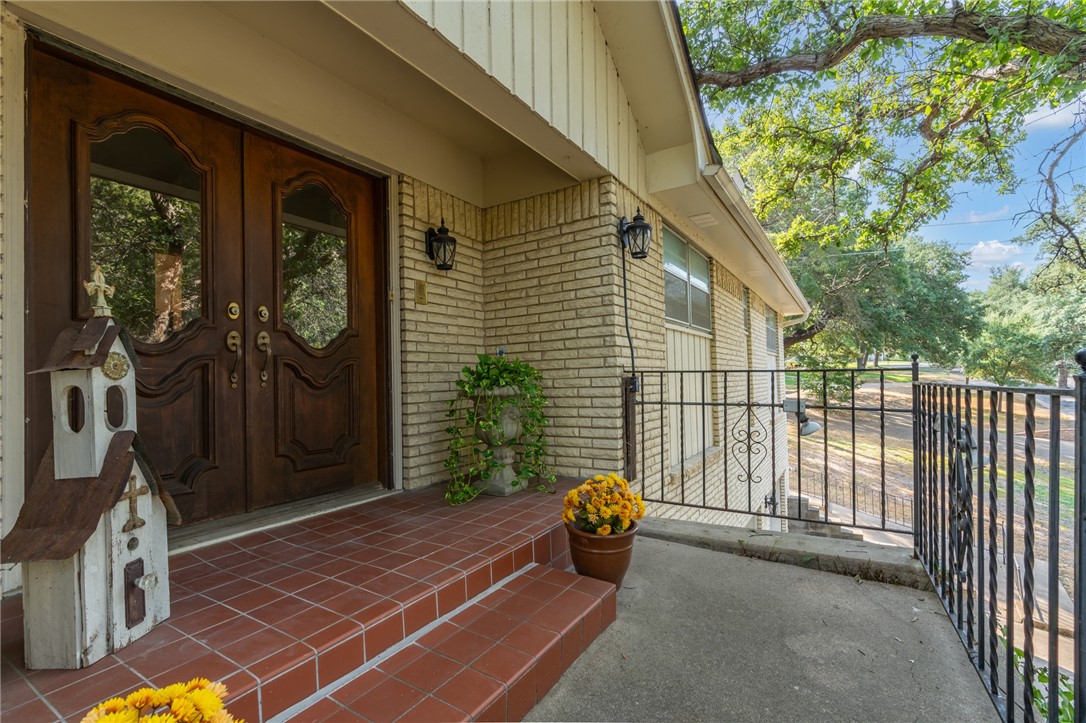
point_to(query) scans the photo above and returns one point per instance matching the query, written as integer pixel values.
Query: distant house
(258, 180)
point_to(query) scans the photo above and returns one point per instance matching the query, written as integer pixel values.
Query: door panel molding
(295, 430)
(182, 397)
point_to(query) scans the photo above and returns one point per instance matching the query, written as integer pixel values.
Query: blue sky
(982, 222)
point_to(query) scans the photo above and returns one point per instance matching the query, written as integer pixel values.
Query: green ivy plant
(475, 412)
(1065, 688)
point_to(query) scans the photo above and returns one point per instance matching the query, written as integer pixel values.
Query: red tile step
(282, 613)
(491, 661)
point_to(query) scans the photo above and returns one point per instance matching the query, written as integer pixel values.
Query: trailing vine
(475, 414)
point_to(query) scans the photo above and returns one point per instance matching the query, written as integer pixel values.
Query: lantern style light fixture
(636, 235)
(441, 247)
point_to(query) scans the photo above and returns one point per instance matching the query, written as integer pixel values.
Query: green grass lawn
(892, 376)
(871, 375)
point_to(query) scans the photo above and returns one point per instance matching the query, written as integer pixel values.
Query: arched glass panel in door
(314, 265)
(145, 232)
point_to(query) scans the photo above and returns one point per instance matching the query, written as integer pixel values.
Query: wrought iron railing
(740, 443)
(988, 482)
(1000, 527)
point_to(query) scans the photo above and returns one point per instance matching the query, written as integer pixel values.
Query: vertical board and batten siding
(502, 42)
(588, 79)
(687, 351)
(554, 57)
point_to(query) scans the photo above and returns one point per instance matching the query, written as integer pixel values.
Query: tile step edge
(322, 693)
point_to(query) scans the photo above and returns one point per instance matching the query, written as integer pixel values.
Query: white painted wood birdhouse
(92, 532)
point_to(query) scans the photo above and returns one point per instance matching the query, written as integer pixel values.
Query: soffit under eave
(696, 213)
(652, 69)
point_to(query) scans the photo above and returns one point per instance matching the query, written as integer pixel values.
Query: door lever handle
(233, 343)
(263, 343)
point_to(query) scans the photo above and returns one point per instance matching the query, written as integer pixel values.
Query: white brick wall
(438, 338)
(541, 277)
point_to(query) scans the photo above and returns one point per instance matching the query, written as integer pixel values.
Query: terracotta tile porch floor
(289, 617)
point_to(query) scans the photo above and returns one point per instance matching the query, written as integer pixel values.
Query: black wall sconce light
(441, 247)
(635, 235)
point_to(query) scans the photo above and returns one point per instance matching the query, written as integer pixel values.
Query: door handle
(233, 343)
(263, 343)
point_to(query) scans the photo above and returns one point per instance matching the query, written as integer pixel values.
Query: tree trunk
(1061, 367)
(877, 354)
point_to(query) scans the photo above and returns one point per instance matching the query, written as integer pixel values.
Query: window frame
(688, 322)
(772, 331)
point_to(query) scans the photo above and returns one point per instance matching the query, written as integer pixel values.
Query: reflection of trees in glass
(314, 284)
(149, 247)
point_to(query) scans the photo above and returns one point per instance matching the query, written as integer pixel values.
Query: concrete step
(492, 659)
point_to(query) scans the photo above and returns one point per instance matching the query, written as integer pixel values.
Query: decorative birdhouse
(92, 532)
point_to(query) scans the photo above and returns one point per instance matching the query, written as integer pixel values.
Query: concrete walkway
(710, 636)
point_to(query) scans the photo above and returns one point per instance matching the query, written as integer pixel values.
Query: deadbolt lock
(233, 310)
(262, 314)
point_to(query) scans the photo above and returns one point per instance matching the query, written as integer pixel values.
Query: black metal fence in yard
(1000, 528)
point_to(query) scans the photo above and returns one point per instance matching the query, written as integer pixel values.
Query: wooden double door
(249, 273)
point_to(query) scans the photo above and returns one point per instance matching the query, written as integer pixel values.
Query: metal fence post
(917, 511)
(1080, 537)
(630, 387)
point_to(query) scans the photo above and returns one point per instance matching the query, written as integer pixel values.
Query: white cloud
(1061, 117)
(998, 215)
(989, 254)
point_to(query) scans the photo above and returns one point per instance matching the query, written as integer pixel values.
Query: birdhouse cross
(134, 491)
(98, 289)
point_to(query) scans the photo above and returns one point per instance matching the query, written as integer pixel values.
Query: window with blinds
(686, 283)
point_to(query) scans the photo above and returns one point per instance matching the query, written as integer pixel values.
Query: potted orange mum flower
(198, 701)
(601, 519)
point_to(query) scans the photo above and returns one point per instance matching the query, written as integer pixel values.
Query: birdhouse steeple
(92, 532)
(93, 388)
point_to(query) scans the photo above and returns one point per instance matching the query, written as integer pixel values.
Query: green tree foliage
(850, 123)
(314, 284)
(908, 300)
(1062, 238)
(130, 225)
(878, 107)
(1028, 330)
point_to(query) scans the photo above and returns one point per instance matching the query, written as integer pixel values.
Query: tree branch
(1067, 235)
(1033, 32)
(808, 332)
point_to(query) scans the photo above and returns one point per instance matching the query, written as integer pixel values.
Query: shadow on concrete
(707, 636)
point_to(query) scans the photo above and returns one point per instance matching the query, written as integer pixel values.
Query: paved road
(708, 636)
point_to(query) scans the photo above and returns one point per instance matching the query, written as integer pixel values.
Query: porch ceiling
(316, 72)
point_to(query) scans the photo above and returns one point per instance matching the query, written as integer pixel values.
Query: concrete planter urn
(496, 441)
(500, 442)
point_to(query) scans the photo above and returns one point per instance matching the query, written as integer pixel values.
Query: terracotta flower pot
(604, 557)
